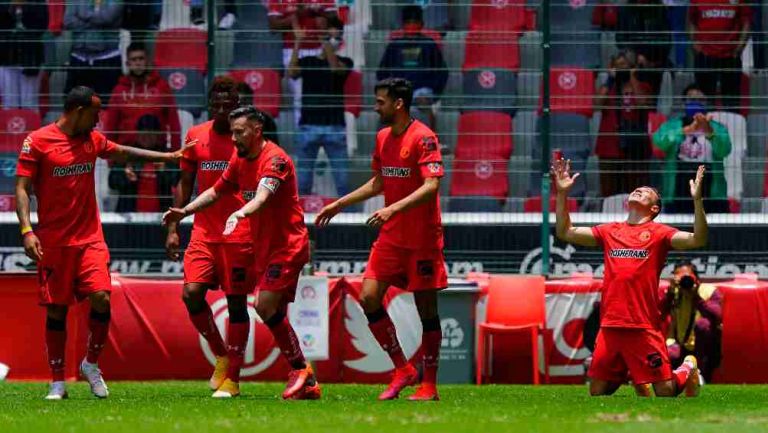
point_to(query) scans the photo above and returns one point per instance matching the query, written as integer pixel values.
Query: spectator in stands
(687, 142)
(308, 17)
(322, 108)
(197, 13)
(21, 52)
(623, 146)
(693, 312)
(145, 186)
(139, 16)
(143, 91)
(269, 128)
(95, 57)
(720, 30)
(419, 59)
(643, 28)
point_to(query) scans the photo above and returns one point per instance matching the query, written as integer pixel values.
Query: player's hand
(32, 247)
(173, 215)
(381, 216)
(695, 184)
(177, 155)
(560, 172)
(232, 221)
(130, 174)
(326, 214)
(172, 244)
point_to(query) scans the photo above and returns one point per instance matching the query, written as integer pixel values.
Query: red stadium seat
(265, 84)
(14, 126)
(491, 50)
(504, 15)
(515, 305)
(484, 134)
(533, 204)
(480, 178)
(181, 48)
(571, 90)
(314, 203)
(353, 93)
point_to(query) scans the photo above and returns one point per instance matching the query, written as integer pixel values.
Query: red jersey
(718, 25)
(277, 230)
(310, 11)
(61, 169)
(634, 256)
(209, 157)
(404, 161)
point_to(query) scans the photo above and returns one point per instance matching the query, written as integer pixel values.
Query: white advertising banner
(309, 316)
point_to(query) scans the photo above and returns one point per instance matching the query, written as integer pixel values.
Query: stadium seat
(252, 16)
(265, 84)
(608, 47)
(186, 121)
(753, 177)
(453, 50)
(576, 49)
(8, 171)
(314, 203)
(374, 45)
(453, 94)
(489, 90)
(14, 127)
(436, 14)
(188, 87)
(571, 90)
(369, 82)
(257, 49)
(572, 16)
(224, 41)
(616, 203)
(759, 91)
(757, 135)
(479, 178)
(286, 130)
(737, 131)
(353, 93)
(528, 90)
(520, 168)
(482, 50)
(475, 204)
(530, 51)
(182, 48)
(385, 15)
(367, 126)
(525, 133)
(447, 129)
(494, 15)
(459, 14)
(533, 204)
(515, 304)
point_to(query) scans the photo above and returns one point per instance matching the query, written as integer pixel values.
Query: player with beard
(56, 164)
(407, 167)
(265, 177)
(630, 340)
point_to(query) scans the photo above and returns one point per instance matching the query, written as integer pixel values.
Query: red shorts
(411, 270)
(281, 277)
(642, 352)
(225, 266)
(66, 274)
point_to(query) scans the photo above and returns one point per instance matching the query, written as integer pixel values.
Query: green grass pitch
(187, 407)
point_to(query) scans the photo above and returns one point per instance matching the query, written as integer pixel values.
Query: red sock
(237, 339)
(384, 331)
(680, 376)
(99, 329)
(431, 341)
(203, 322)
(286, 339)
(56, 343)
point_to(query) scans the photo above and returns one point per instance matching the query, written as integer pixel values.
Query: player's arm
(267, 187)
(32, 246)
(683, 240)
(425, 192)
(180, 199)
(122, 154)
(369, 189)
(565, 230)
(204, 200)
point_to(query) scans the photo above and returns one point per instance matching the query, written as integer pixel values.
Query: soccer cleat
(693, 384)
(309, 392)
(425, 392)
(228, 389)
(92, 374)
(402, 377)
(219, 372)
(297, 380)
(57, 391)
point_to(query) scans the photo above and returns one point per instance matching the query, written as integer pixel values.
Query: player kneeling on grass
(266, 178)
(57, 162)
(408, 253)
(630, 338)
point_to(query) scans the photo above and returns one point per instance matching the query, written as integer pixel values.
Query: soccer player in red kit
(265, 177)
(56, 164)
(635, 251)
(211, 259)
(408, 253)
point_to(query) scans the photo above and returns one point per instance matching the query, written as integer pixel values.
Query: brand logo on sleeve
(627, 253)
(214, 165)
(396, 172)
(73, 170)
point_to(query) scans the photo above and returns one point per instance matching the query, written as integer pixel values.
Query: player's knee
(266, 311)
(57, 312)
(665, 389)
(100, 301)
(370, 302)
(193, 297)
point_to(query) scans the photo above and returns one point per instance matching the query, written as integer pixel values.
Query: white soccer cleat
(92, 374)
(57, 391)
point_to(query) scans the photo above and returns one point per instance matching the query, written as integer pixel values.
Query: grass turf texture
(187, 406)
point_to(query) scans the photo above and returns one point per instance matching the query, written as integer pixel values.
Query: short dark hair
(149, 122)
(412, 13)
(243, 89)
(223, 84)
(335, 22)
(692, 86)
(658, 199)
(79, 96)
(249, 112)
(397, 88)
(685, 262)
(136, 46)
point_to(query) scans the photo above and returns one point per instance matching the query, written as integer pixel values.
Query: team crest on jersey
(644, 236)
(429, 144)
(26, 145)
(279, 164)
(88, 146)
(405, 152)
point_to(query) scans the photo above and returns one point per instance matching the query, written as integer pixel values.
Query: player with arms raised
(265, 177)
(57, 162)
(409, 250)
(635, 251)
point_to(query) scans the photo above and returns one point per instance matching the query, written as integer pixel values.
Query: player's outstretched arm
(565, 230)
(686, 240)
(267, 187)
(426, 191)
(207, 198)
(122, 154)
(369, 189)
(32, 246)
